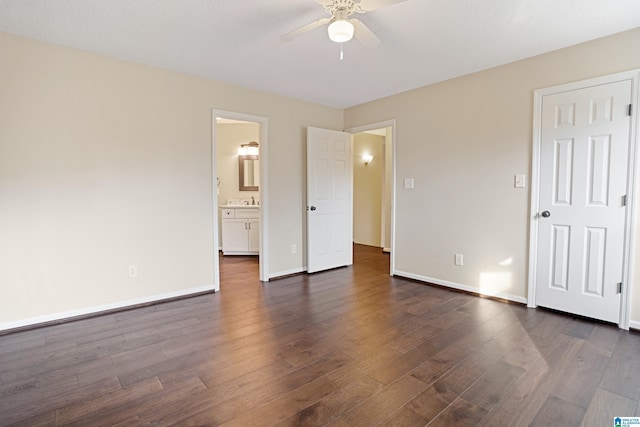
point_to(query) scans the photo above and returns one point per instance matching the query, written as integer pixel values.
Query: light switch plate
(459, 260)
(133, 271)
(408, 183)
(519, 181)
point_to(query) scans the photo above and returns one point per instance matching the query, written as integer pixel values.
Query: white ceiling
(237, 41)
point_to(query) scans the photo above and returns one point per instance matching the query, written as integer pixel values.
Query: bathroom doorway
(239, 189)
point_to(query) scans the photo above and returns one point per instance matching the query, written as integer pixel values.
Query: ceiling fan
(342, 29)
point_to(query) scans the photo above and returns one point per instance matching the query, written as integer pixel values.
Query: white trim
(102, 308)
(264, 198)
(264, 186)
(214, 197)
(628, 272)
(461, 287)
(394, 143)
(533, 213)
(288, 272)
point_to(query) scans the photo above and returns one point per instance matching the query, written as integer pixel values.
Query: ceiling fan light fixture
(340, 31)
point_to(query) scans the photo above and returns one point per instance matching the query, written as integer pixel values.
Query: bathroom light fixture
(250, 149)
(366, 158)
(340, 31)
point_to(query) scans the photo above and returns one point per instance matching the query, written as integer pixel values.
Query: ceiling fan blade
(364, 34)
(369, 5)
(312, 26)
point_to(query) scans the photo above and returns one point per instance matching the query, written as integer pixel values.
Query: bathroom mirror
(249, 177)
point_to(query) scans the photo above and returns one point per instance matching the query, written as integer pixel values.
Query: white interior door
(329, 205)
(584, 150)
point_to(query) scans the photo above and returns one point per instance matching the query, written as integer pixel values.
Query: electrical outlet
(459, 260)
(133, 271)
(408, 183)
(294, 249)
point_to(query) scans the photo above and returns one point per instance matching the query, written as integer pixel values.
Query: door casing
(630, 221)
(264, 186)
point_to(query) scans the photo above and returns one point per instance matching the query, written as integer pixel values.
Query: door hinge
(619, 288)
(630, 111)
(624, 200)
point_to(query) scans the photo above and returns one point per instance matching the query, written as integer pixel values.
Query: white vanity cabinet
(240, 230)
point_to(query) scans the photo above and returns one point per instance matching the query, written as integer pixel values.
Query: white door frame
(633, 175)
(373, 126)
(264, 199)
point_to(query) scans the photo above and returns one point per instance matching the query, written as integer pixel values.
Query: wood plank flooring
(347, 347)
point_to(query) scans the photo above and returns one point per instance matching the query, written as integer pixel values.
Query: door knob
(313, 208)
(546, 214)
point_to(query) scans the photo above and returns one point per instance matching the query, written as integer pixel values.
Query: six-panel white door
(584, 151)
(329, 205)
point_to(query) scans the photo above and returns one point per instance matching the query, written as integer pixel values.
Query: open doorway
(372, 188)
(239, 144)
(330, 164)
(373, 149)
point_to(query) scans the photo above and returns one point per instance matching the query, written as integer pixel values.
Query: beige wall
(368, 188)
(462, 141)
(106, 163)
(230, 137)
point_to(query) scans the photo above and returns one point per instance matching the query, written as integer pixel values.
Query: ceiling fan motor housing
(341, 9)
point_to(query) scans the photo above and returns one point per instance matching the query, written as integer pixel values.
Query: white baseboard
(634, 324)
(386, 250)
(102, 308)
(287, 272)
(460, 286)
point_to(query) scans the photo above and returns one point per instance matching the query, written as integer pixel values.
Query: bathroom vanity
(240, 230)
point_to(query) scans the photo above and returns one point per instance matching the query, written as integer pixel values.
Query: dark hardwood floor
(347, 347)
